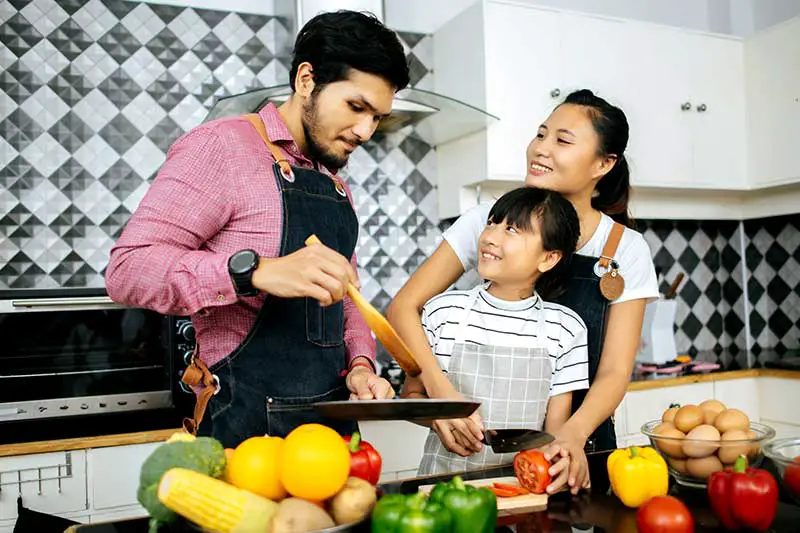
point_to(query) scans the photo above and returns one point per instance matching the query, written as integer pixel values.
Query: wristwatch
(241, 266)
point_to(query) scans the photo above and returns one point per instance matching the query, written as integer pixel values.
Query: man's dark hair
(335, 42)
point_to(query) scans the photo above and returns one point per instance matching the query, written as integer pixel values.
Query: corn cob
(215, 505)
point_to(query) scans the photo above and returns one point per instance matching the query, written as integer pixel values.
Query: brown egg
(670, 445)
(669, 414)
(711, 408)
(755, 447)
(693, 445)
(688, 417)
(704, 467)
(678, 464)
(729, 451)
(731, 419)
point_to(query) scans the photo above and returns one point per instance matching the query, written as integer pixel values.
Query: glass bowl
(785, 454)
(706, 457)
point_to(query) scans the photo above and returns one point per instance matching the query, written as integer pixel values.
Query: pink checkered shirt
(213, 196)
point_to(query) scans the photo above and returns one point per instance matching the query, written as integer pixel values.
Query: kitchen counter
(564, 512)
(82, 443)
(655, 381)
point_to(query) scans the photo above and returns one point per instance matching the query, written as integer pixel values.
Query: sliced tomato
(501, 493)
(511, 488)
(531, 469)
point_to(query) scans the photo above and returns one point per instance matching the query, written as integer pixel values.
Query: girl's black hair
(611, 125)
(558, 224)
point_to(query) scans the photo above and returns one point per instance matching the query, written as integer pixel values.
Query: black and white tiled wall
(93, 92)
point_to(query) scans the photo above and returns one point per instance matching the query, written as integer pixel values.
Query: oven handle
(66, 302)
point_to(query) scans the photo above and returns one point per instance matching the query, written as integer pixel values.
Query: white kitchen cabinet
(779, 398)
(772, 75)
(400, 444)
(645, 405)
(114, 475)
(682, 92)
(62, 488)
(742, 394)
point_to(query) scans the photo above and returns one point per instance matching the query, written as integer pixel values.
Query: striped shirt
(496, 322)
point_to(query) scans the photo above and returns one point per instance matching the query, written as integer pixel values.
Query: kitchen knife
(515, 440)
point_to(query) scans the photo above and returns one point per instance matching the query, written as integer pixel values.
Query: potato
(669, 414)
(703, 467)
(711, 408)
(354, 501)
(688, 417)
(731, 419)
(729, 451)
(668, 446)
(703, 432)
(300, 516)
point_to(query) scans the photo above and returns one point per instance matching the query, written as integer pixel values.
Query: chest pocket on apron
(511, 383)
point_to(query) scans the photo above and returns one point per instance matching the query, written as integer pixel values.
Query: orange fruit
(316, 462)
(255, 466)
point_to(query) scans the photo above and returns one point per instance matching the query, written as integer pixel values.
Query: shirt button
(220, 297)
(184, 310)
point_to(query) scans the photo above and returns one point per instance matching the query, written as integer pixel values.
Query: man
(220, 236)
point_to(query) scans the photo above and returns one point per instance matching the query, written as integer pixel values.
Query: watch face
(242, 261)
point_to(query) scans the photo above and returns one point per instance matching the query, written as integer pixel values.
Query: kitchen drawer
(114, 474)
(739, 394)
(51, 495)
(645, 405)
(779, 399)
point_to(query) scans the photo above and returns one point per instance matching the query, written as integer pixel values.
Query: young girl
(578, 151)
(500, 343)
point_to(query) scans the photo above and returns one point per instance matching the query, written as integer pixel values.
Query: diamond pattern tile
(19, 35)
(18, 82)
(71, 132)
(166, 47)
(143, 22)
(119, 43)
(44, 15)
(119, 88)
(70, 85)
(120, 134)
(45, 60)
(44, 107)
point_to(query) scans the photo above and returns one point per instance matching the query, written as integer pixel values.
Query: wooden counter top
(661, 382)
(82, 443)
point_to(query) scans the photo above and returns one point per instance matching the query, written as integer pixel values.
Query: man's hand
(364, 384)
(315, 271)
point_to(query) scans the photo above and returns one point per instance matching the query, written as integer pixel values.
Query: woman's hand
(571, 467)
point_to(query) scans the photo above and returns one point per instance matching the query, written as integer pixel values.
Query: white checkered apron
(512, 385)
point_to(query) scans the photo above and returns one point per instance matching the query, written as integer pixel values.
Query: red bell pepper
(743, 497)
(365, 461)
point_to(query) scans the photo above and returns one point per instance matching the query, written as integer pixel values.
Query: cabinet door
(718, 112)
(52, 495)
(660, 144)
(114, 474)
(523, 67)
(645, 405)
(772, 80)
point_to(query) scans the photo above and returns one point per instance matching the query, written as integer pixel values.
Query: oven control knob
(186, 330)
(187, 357)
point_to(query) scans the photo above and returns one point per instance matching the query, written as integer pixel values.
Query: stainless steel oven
(70, 354)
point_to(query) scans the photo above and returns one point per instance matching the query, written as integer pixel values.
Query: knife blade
(515, 440)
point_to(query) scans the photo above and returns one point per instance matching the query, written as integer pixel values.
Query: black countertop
(596, 510)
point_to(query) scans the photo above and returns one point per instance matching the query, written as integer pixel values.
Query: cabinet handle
(701, 108)
(686, 106)
(555, 93)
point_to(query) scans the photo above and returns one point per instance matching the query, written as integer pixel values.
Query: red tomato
(792, 476)
(664, 514)
(531, 469)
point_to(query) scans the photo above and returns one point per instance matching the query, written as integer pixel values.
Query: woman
(580, 152)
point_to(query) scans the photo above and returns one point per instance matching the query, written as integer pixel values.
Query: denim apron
(294, 355)
(512, 384)
(583, 296)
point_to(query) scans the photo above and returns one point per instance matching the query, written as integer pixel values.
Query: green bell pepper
(398, 513)
(474, 510)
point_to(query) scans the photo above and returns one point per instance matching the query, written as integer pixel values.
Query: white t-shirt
(633, 254)
(496, 322)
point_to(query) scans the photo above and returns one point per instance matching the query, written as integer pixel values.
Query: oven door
(75, 352)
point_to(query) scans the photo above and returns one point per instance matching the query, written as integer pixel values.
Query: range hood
(437, 118)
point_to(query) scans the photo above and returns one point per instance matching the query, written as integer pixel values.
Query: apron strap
(612, 243)
(461, 330)
(197, 374)
(258, 124)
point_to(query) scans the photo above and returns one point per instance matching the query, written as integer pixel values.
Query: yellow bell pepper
(637, 474)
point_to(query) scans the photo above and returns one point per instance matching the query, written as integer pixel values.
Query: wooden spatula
(381, 327)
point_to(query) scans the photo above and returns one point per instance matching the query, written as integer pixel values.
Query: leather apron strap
(612, 243)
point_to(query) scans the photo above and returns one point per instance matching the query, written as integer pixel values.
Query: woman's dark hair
(338, 41)
(558, 224)
(611, 126)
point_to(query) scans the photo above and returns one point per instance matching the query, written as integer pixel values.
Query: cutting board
(506, 506)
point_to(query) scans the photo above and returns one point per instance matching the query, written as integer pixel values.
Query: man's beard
(311, 128)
